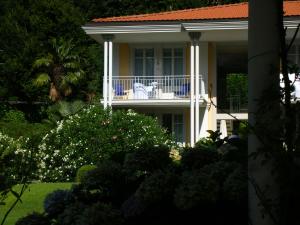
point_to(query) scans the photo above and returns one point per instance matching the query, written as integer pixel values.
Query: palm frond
(74, 77)
(71, 65)
(42, 79)
(44, 61)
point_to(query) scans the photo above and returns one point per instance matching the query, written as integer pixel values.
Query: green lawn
(32, 200)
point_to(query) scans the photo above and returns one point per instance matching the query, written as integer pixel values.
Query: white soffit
(132, 29)
(225, 25)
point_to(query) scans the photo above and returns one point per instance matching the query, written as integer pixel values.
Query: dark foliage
(146, 160)
(149, 188)
(196, 158)
(107, 181)
(34, 219)
(57, 201)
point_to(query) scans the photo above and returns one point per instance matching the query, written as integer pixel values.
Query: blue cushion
(119, 89)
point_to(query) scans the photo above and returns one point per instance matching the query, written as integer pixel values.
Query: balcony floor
(154, 102)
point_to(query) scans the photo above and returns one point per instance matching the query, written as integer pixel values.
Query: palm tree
(60, 69)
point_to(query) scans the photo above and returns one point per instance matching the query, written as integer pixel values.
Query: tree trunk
(264, 109)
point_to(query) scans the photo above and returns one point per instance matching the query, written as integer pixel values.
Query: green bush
(16, 159)
(14, 116)
(34, 132)
(92, 135)
(81, 172)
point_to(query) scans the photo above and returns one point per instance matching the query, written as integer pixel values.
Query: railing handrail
(151, 77)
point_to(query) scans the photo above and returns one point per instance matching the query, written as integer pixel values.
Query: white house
(179, 65)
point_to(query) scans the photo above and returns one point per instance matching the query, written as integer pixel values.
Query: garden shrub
(147, 159)
(107, 182)
(34, 219)
(196, 158)
(16, 159)
(101, 213)
(93, 135)
(98, 213)
(157, 188)
(72, 214)
(83, 170)
(196, 189)
(236, 186)
(145, 186)
(219, 171)
(57, 201)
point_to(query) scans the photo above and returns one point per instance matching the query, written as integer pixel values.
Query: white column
(110, 66)
(197, 93)
(192, 127)
(105, 74)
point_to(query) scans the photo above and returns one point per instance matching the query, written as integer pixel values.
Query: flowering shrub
(15, 158)
(91, 136)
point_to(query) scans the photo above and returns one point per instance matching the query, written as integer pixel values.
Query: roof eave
(175, 26)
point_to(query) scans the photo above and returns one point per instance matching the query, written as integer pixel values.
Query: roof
(229, 11)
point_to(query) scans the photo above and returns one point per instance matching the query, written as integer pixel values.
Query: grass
(32, 200)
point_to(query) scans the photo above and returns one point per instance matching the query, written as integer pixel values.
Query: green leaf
(71, 65)
(42, 79)
(45, 61)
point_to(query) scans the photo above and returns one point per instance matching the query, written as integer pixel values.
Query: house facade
(188, 68)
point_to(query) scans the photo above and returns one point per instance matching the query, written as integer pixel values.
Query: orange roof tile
(230, 11)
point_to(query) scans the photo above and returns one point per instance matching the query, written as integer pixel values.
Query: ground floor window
(174, 123)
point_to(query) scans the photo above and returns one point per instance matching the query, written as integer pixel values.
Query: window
(294, 55)
(178, 128)
(174, 124)
(144, 62)
(172, 61)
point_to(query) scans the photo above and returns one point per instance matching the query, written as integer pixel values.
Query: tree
(60, 69)
(25, 38)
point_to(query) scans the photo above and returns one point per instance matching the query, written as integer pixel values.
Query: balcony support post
(197, 122)
(110, 62)
(105, 75)
(194, 36)
(192, 96)
(108, 67)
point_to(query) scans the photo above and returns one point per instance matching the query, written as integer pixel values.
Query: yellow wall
(212, 86)
(124, 57)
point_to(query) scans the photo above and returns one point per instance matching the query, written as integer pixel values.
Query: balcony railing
(157, 87)
(232, 104)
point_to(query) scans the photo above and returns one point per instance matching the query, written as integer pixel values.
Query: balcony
(145, 90)
(141, 88)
